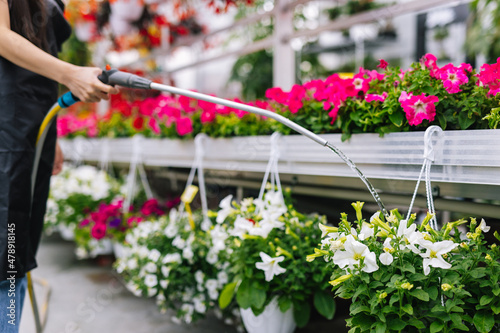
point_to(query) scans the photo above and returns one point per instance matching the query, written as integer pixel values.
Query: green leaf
(243, 295)
(284, 303)
(227, 294)
(359, 308)
(380, 327)
(478, 272)
(258, 295)
(483, 321)
(408, 308)
(495, 309)
(397, 118)
(486, 299)
(325, 304)
(464, 120)
(420, 294)
(301, 313)
(428, 90)
(416, 323)
(396, 324)
(433, 292)
(436, 327)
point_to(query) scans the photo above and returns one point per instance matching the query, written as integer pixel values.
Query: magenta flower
(153, 124)
(276, 94)
(98, 231)
(430, 61)
(383, 64)
(184, 126)
(84, 223)
(374, 97)
(207, 116)
(418, 108)
(151, 207)
(148, 106)
(452, 78)
(489, 76)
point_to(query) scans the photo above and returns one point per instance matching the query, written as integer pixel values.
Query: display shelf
(467, 163)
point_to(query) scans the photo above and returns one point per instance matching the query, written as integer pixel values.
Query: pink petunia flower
(153, 124)
(383, 64)
(489, 77)
(452, 77)
(418, 108)
(374, 97)
(430, 61)
(99, 231)
(184, 126)
(276, 94)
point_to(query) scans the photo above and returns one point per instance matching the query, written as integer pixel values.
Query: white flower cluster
(350, 252)
(85, 179)
(161, 260)
(269, 210)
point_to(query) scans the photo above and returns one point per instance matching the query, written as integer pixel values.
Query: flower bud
(446, 287)
(488, 257)
(381, 296)
(407, 286)
(341, 279)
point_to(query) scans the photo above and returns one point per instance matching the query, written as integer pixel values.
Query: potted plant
(404, 277)
(268, 241)
(173, 259)
(75, 192)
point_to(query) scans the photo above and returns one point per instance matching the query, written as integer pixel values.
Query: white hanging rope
(104, 157)
(272, 167)
(136, 165)
(197, 165)
(429, 157)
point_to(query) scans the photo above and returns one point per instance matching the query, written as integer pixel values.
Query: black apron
(25, 98)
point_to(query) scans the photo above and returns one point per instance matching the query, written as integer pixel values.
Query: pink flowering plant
(109, 222)
(455, 97)
(405, 277)
(267, 241)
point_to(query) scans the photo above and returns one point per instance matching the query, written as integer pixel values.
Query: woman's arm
(82, 81)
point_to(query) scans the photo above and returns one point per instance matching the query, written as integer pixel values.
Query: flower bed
(393, 101)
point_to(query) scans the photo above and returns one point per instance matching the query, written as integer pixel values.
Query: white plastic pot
(101, 247)
(119, 250)
(272, 320)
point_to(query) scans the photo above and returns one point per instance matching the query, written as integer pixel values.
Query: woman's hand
(58, 160)
(83, 83)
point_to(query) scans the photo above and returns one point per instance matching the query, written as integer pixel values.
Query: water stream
(354, 168)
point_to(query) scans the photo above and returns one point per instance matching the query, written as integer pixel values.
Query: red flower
(138, 123)
(153, 124)
(277, 94)
(207, 116)
(151, 207)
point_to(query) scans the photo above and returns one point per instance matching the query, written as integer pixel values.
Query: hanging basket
(272, 320)
(67, 232)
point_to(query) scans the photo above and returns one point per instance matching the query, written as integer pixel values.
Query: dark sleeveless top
(25, 98)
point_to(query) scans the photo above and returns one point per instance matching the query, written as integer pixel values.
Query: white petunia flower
(366, 231)
(132, 263)
(199, 305)
(270, 265)
(226, 209)
(164, 284)
(386, 258)
(211, 284)
(199, 276)
(222, 278)
(433, 255)
(151, 280)
(171, 230)
(179, 243)
(187, 253)
(172, 257)
(483, 226)
(165, 270)
(213, 294)
(212, 257)
(150, 267)
(154, 255)
(352, 254)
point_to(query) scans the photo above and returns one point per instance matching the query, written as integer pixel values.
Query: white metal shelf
(461, 158)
